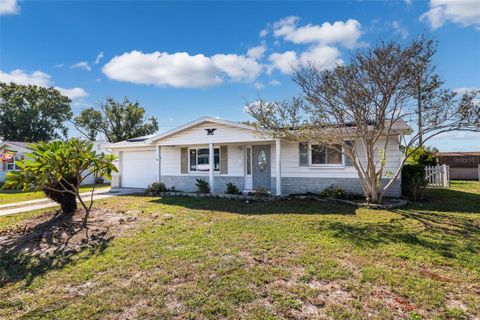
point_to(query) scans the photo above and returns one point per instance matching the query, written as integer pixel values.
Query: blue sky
(183, 60)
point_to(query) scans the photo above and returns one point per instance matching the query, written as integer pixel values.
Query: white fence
(438, 176)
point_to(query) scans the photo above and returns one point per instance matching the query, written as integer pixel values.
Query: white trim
(211, 166)
(278, 169)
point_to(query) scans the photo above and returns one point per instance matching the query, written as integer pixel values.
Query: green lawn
(12, 196)
(225, 259)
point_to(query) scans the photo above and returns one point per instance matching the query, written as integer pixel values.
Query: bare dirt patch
(51, 232)
(51, 240)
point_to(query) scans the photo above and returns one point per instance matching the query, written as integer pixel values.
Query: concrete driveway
(30, 205)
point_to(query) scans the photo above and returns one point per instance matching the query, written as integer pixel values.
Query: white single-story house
(19, 149)
(241, 156)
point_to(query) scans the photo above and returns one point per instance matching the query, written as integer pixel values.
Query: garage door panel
(138, 169)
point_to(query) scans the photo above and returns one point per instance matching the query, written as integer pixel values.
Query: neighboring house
(463, 165)
(19, 148)
(99, 146)
(239, 155)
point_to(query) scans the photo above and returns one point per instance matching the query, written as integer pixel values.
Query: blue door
(261, 167)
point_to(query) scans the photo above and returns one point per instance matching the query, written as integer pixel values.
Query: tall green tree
(31, 113)
(116, 121)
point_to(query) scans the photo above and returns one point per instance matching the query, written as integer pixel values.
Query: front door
(261, 167)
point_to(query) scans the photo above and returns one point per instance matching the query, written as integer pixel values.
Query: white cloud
(99, 57)
(37, 78)
(257, 52)
(285, 26)
(9, 7)
(81, 65)
(462, 12)
(41, 79)
(180, 69)
(399, 29)
(275, 82)
(321, 57)
(344, 33)
(73, 93)
(286, 62)
(263, 33)
(408, 2)
(239, 68)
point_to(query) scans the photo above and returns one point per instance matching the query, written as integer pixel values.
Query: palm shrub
(58, 168)
(202, 186)
(232, 189)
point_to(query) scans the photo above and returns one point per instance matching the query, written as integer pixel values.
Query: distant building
(463, 165)
(10, 153)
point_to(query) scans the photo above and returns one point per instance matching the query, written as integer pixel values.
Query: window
(303, 154)
(249, 161)
(325, 155)
(12, 165)
(199, 160)
(319, 155)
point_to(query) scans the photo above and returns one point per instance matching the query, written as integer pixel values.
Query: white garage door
(138, 169)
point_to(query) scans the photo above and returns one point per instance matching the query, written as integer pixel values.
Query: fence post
(444, 176)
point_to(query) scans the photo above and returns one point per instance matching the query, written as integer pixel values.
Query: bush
(155, 188)
(423, 155)
(100, 180)
(334, 192)
(202, 186)
(414, 183)
(232, 189)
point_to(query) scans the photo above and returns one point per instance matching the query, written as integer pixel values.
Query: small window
(199, 160)
(11, 164)
(324, 155)
(303, 154)
(348, 162)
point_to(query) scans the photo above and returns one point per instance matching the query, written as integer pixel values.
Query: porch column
(278, 167)
(158, 152)
(211, 161)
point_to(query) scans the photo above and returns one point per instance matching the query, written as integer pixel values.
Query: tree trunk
(85, 217)
(67, 200)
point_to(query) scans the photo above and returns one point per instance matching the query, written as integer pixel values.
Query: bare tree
(362, 106)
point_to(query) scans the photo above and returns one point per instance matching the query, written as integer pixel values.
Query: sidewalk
(30, 205)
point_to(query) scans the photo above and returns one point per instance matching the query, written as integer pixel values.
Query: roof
(19, 144)
(459, 154)
(399, 126)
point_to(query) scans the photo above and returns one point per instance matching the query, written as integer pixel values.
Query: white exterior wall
(291, 164)
(170, 161)
(222, 134)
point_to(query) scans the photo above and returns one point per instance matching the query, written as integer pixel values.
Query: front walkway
(30, 205)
